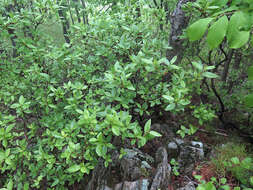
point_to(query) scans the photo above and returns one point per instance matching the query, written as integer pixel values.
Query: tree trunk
(226, 66)
(77, 11)
(85, 15)
(13, 37)
(70, 13)
(65, 23)
(179, 21)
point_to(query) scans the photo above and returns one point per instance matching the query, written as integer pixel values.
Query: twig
(217, 133)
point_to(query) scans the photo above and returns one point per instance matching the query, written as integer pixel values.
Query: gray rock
(190, 152)
(146, 165)
(172, 145)
(173, 150)
(163, 171)
(135, 185)
(189, 186)
(105, 188)
(197, 144)
(198, 148)
(179, 141)
(135, 164)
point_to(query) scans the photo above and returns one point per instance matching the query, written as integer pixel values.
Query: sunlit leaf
(73, 168)
(147, 126)
(198, 65)
(250, 73)
(198, 29)
(155, 134)
(210, 75)
(217, 32)
(236, 37)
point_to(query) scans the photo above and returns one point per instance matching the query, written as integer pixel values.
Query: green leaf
(217, 32)
(26, 186)
(210, 75)
(14, 106)
(201, 187)
(85, 170)
(9, 128)
(104, 150)
(45, 75)
(247, 163)
(147, 126)
(251, 180)
(155, 134)
(197, 29)
(170, 107)
(213, 7)
(56, 181)
(10, 185)
(209, 68)
(173, 60)
(248, 100)
(235, 160)
(117, 67)
(92, 140)
(250, 73)
(115, 130)
(167, 97)
(21, 100)
(184, 102)
(210, 186)
(4, 143)
(198, 65)
(225, 187)
(130, 87)
(223, 180)
(142, 141)
(198, 177)
(147, 61)
(73, 168)
(2, 156)
(99, 150)
(219, 3)
(237, 38)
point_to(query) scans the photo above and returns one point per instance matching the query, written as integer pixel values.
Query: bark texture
(162, 176)
(179, 21)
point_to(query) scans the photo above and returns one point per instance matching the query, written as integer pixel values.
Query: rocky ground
(168, 163)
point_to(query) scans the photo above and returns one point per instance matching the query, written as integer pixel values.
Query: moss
(224, 164)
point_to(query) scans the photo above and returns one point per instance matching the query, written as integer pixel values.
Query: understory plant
(65, 108)
(233, 158)
(70, 99)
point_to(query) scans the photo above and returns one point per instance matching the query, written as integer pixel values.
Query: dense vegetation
(81, 79)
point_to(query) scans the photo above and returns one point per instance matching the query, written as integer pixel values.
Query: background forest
(83, 79)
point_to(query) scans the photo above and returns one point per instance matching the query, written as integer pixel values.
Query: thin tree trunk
(179, 21)
(77, 12)
(11, 31)
(161, 24)
(166, 9)
(65, 24)
(70, 12)
(13, 38)
(238, 57)
(226, 66)
(85, 15)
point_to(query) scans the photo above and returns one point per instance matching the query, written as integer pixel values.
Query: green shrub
(233, 158)
(63, 107)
